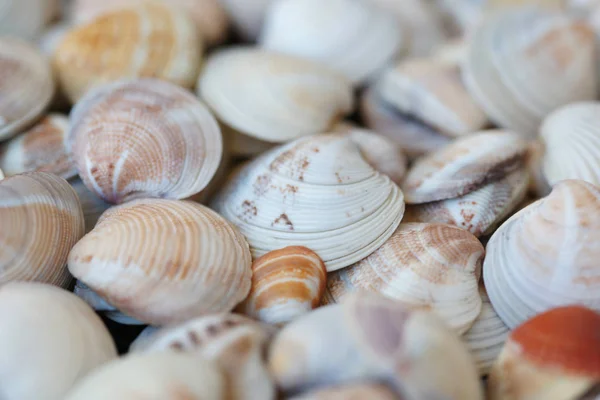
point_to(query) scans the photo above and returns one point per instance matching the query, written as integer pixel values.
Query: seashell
(25, 18)
(51, 340)
(234, 342)
(40, 149)
(26, 85)
(92, 205)
(144, 138)
(371, 338)
(51, 37)
(552, 356)
(152, 376)
(122, 259)
(433, 266)
(355, 391)
(286, 284)
(247, 16)
(545, 256)
(466, 164)
(524, 63)
(300, 97)
(41, 221)
(152, 40)
(318, 31)
(433, 93)
(317, 192)
(478, 211)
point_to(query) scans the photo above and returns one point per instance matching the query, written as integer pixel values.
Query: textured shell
(433, 266)
(144, 138)
(526, 62)
(286, 283)
(41, 148)
(26, 84)
(317, 192)
(41, 221)
(463, 166)
(92, 205)
(318, 31)
(271, 96)
(25, 18)
(151, 40)
(546, 255)
(247, 16)
(356, 391)
(207, 268)
(50, 340)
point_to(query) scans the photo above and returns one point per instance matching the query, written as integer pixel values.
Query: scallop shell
(26, 84)
(271, 96)
(546, 255)
(51, 340)
(25, 18)
(553, 356)
(144, 138)
(152, 40)
(317, 192)
(355, 391)
(207, 268)
(466, 164)
(433, 266)
(92, 205)
(247, 16)
(41, 221)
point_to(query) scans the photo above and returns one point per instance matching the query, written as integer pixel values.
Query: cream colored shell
(25, 18)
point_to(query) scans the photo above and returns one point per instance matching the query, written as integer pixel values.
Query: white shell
(25, 18)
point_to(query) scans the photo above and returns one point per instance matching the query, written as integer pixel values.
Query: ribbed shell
(41, 221)
(353, 391)
(26, 84)
(466, 164)
(164, 261)
(546, 255)
(152, 40)
(317, 192)
(92, 205)
(271, 96)
(25, 18)
(144, 138)
(433, 266)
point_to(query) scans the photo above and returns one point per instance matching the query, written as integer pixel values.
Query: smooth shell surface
(25, 18)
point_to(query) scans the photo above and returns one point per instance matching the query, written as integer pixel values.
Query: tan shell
(26, 84)
(353, 391)
(123, 259)
(247, 16)
(144, 138)
(152, 40)
(92, 205)
(41, 221)
(25, 18)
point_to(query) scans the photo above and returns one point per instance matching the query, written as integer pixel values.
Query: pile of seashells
(299, 199)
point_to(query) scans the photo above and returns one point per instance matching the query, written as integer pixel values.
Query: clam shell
(247, 16)
(92, 205)
(25, 18)
(545, 255)
(26, 84)
(144, 138)
(271, 96)
(41, 221)
(433, 266)
(207, 268)
(317, 192)
(356, 391)
(466, 164)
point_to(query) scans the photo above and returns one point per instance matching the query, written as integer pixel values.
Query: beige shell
(26, 84)
(247, 16)
(123, 259)
(434, 266)
(50, 340)
(463, 166)
(271, 96)
(353, 391)
(41, 221)
(546, 255)
(152, 40)
(144, 138)
(92, 205)
(25, 18)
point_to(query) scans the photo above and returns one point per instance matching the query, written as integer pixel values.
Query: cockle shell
(40, 220)
(247, 16)
(553, 356)
(318, 31)
(356, 391)
(144, 138)
(434, 266)
(546, 255)
(463, 166)
(152, 40)
(271, 96)
(26, 84)
(207, 267)
(91, 204)
(317, 192)
(25, 18)
(50, 340)
(286, 283)
(371, 338)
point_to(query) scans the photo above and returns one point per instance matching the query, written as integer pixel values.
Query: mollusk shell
(25, 18)
(356, 391)
(317, 192)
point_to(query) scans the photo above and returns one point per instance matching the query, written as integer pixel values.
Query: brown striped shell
(144, 138)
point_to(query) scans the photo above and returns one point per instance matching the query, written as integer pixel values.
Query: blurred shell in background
(26, 18)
